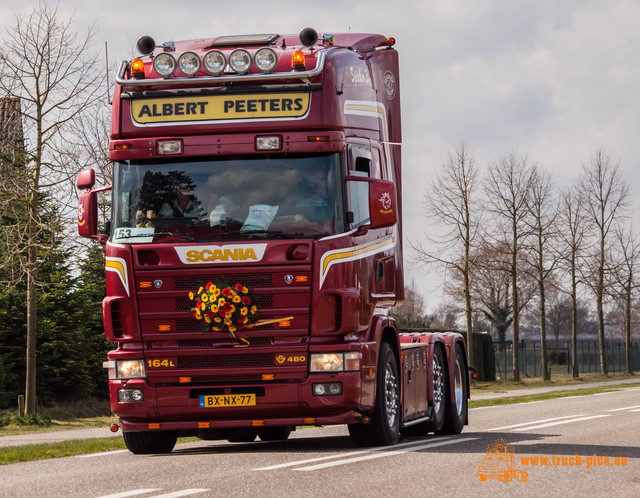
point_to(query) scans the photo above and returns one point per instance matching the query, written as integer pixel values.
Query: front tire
(384, 428)
(148, 443)
(274, 433)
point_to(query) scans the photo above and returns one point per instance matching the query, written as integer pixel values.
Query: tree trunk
(627, 326)
(30, 387)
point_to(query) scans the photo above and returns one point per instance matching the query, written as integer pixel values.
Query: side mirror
(382, 204)
(86, 179)
(88, 214)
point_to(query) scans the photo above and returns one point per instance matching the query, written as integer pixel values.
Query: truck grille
(227, 361)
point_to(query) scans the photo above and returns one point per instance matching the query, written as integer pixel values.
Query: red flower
(210, 314)
(226, 307)
(239, 287)
(227, 292)
(241, 319)
(209, 285)
(246, 301)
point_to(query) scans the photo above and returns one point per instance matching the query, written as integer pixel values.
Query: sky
(552, 80)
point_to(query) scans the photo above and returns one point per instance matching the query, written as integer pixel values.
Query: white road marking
(183, 492)
(342, 455)
(635, 411)
(542, 426)
(133, 492)
(534, 422)
(604, 394)
(626, 408)
(385, 454)
(89, 455)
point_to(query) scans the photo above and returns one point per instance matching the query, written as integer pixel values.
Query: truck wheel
(440, 389)
(384, 428)
(456, 409)
(274, 433)
(146, 443)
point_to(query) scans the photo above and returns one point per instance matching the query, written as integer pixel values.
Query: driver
(185, 204)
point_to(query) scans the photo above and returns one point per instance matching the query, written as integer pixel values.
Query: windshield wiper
(176, 235)
(282, 235)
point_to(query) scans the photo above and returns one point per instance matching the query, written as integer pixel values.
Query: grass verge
(562, 393)
(30, 452)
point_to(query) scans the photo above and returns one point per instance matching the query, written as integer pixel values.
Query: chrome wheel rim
(438, 384)
(391, 395)
(458, 387)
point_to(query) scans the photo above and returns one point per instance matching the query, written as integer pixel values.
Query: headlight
(335, 362)
(129, 395)
(214, 62)
(189, 63)
(266, 60)
(130, 369)
(240, 61)
(164, 64)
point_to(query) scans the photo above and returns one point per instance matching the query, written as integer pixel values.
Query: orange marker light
(268, 376)
(154, 426)
(297, 61)
(302, 278)
(145, 285)
(257, 423)
(137, 68)
(309, 421)
(164, 328)
(184, 380)
(204, 425)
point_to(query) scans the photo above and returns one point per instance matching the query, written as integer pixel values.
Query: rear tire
(440, 390)
(384, 428)
(456, 409)
(147, 443)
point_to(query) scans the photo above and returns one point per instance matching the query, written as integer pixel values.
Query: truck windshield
(230, 198)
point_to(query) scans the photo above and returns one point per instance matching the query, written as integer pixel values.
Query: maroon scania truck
(255, 246)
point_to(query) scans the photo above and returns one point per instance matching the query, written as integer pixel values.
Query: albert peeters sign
(220, 107)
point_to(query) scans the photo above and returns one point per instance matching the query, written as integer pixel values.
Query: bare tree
(573, 234)
(451, 201)
(542, 226)
(606, 201)
(46, 65)
(508, 188)
(626, 281)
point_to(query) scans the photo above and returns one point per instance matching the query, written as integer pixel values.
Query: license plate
(222, 400)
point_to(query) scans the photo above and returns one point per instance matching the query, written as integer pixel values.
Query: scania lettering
(255, 246)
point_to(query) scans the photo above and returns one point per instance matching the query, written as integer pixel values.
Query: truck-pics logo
(499, 463)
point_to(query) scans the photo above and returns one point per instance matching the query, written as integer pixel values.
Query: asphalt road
(578, 446)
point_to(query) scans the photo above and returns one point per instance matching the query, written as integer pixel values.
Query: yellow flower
(204, 306)
(221, 301)
(254, 309)
(215, 291)
(215, 329)
(232, 309)
(245, 290)
(200, 290)
(227, 321)
(232, 329)
(244, 311)
(237, 299)
(214, 308)
(204, 298)
(207, 319)
(228, 315)
(191, 295)
(198, 314)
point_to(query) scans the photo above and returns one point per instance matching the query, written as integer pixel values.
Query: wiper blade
(176, 235)
(282, 235)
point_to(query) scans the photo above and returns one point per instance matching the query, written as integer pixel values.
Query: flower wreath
(222, 307)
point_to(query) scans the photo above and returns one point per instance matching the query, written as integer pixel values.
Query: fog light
(240, 61)
(327, 389)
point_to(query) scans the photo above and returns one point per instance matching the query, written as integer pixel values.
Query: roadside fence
(559, 357)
